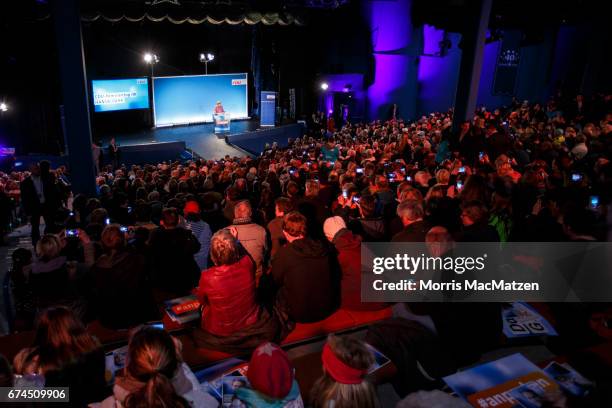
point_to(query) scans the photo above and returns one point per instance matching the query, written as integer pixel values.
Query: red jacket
(228, 295)
(348, 246)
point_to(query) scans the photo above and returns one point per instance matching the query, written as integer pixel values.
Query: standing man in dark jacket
(40, 197)
(305, 274)
(174, 271)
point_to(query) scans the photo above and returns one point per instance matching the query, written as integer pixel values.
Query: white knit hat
(332, 225)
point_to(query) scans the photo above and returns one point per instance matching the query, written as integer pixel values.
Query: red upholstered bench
(339, 321)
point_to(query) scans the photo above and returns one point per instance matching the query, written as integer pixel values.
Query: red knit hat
(191, 207)
(270, 371)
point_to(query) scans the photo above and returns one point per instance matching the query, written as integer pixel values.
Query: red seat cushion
(365, 317)
(340, 320)
(337, 321)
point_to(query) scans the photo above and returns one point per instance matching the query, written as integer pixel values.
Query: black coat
(306, 275)
(173, 267)
(481, 232)
(414, 232)
(85, 378)
(122, 297)
(29, 197)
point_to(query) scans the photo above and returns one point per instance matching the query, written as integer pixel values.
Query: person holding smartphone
(121, 295)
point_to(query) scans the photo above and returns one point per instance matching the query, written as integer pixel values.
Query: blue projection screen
(191, 99)
(120, 94)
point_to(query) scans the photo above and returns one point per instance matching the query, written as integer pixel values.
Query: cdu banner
(506, 69)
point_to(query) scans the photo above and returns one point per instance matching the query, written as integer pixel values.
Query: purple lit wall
(437, 77)
(338, 83)
(394, 55)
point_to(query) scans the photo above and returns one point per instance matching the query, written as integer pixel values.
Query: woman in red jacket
(232, 321)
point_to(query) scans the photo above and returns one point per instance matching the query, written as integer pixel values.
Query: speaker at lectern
(222, 122)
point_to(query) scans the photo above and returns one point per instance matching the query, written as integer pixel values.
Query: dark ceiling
(447, 14)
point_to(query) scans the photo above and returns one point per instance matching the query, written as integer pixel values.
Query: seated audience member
(253, 237)
(53, 278)
(503, 165)
(65, 355)
(282, 206)
(463, 340)
(313, 209)
(405, 191)
(305, 274)
(415, 227)
(232, 196)
(370, 227)
(174, 271)
(23, 301)
(380, 188)
(272, 380)
(200, 229)
(231, 319)
(155, 376)
(122, 295)
(348, 247)
(475, 218)
(346, 361)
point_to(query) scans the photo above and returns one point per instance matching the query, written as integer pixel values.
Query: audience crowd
(268, 242)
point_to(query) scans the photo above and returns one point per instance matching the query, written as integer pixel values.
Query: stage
(199, 138)
(244, 139)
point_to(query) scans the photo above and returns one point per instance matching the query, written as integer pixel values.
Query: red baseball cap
(191, 207)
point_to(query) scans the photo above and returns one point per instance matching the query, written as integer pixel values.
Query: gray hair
(411, 210)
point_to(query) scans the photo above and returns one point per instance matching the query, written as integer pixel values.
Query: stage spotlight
(151, 58)
(205, 59)
(3, 107)
(324, 86)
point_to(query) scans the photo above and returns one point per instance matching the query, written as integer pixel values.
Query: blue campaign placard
(268, 108)
(192, 99)
(120, 94)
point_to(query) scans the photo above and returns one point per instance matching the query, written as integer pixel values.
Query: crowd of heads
(526, 172)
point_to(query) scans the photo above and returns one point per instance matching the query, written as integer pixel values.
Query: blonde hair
(48, 247)
(224, 248)
(442, 176)
(326, 392)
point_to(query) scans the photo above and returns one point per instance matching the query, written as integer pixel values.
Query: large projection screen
(191, 99)
(120, 94)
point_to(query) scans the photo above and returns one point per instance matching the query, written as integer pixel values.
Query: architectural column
(68, 36)
(473, 40)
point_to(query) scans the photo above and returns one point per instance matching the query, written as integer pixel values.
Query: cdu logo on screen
(242, 81)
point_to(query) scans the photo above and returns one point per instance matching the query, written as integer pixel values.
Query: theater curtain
(252, 18)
